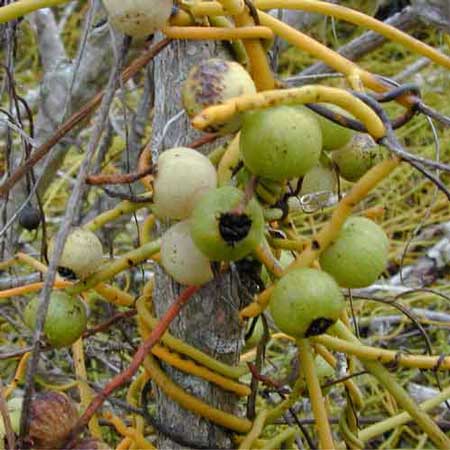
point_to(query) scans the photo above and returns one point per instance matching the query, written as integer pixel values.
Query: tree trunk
(210, 321)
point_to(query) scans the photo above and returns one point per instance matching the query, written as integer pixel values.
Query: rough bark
(210, 321)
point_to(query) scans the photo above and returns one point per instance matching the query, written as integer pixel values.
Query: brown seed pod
(53, 415)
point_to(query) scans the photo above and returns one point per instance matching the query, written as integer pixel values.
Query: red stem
(143, 350)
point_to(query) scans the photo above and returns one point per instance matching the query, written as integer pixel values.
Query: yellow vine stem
(330, 230)
(56, 387)
(124, 444)
(83, 387)
(285, 436)
(348, 420)
(146, 230)
(239, 52)
(110, 293)
(122, 209)
(265, 256)
(18, 376)
(126, 261)
(215, 155)
(315, 394)
(20, 8)
(185, 349)
(181, 19)
(8, 263)
(309, 45)
(353, 389)
(192, 368)
(218, 33)
(362, 20)
(401, 419)
(229, 161)
(383, 356)
(259, 64)
(114, 295)
(232, 7)
(129, 432)
(190, 402)
(384, 377)
(255, 432)
(295, 245)
(306, 94)
(133, 399)
(331, 58)
(32, 262)
(32, 287)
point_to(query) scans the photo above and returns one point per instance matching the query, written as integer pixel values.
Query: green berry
(306, 302)
(280, 143)
(66, 318)
(319, 179)
(359, 254)
(334, 136)
(225, 229)
(357, 157)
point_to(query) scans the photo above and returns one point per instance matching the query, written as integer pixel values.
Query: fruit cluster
(281, 150)
(66, 318)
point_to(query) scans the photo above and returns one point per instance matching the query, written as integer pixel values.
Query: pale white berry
(183, 175)
(181, 259)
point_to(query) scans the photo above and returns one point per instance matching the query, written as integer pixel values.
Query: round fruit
(212, 82)
(319, 179)
(359, 254)
(225, 229)
(81, 256)
(280, 143)
(181, 259)
(52, 417)
(183, 176)
(306, 302)
(334, 136)
(30, 217)
(138, 18)
(357, 157)
(66, 318)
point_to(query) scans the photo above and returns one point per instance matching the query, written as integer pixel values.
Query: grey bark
(210, 321)
(434, 12)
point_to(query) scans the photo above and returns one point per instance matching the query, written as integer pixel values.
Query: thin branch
(78, 117)
(72, 207)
